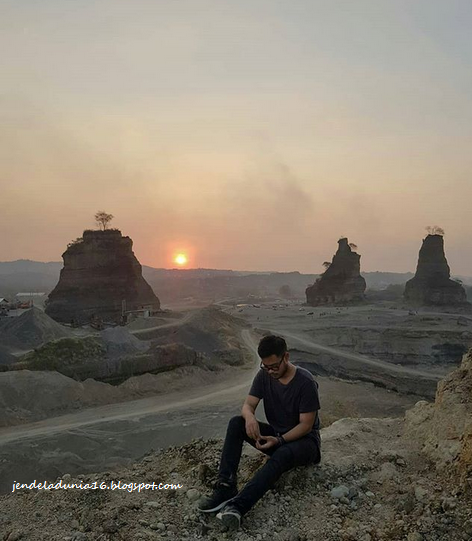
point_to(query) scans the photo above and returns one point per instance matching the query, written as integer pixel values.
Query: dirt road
(209, 395)
(102, 438)
(175, 323)
(384, 366)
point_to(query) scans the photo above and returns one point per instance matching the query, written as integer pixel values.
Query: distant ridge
(175, 284)
(28, 265)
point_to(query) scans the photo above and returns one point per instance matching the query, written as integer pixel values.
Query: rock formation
(431, 285)
(341, 282)
(100, 272)
(445, 427)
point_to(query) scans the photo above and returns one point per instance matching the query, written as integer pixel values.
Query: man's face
(275, 365)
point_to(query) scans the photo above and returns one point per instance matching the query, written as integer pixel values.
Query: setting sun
(180, 259)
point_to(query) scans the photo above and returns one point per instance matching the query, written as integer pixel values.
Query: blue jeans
(283, 458)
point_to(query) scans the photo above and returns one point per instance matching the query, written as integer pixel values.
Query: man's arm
(306, 422)
(309, 406)
(248, 412)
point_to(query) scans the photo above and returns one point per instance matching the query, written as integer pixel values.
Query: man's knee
(304, 452)
(237, 420)
(283, 458)
(237, 423)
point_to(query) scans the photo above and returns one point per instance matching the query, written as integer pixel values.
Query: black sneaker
(230, 517)
(222, 494)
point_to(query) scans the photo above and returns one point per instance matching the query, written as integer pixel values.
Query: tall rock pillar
(101, 275)
(342, 282)
(431, 285)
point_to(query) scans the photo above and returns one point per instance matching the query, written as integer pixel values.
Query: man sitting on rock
(291, 438)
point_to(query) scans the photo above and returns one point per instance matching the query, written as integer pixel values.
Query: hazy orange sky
(247, 134)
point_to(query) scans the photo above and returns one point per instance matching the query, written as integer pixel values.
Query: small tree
(285, 291)
(103, 219)
(434, 230)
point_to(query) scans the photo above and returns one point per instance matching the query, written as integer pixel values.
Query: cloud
(273, 199)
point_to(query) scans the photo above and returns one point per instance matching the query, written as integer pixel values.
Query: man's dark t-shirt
(284, 403)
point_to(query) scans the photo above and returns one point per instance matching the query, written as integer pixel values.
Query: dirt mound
(5, 356)
(157, 359)
(112, 358)
(27, 396)
(208, 331)
(120, 342)
(378, 490)
(69, 356)
(31, 329)
(179, 379)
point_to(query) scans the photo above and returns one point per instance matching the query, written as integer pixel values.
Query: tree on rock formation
(103, 219)
(434, 230)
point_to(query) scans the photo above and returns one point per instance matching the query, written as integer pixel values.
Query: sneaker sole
(213, 509)
(232, 521)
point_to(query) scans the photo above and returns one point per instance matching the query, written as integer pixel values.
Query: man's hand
(252, 428)
(270, 441)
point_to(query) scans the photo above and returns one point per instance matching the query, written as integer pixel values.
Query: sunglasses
(272, 367)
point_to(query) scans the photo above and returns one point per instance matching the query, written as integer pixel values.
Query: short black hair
(271, 345)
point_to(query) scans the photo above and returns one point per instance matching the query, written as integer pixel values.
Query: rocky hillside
(445, 427)
(370, 486)
(377, 481)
